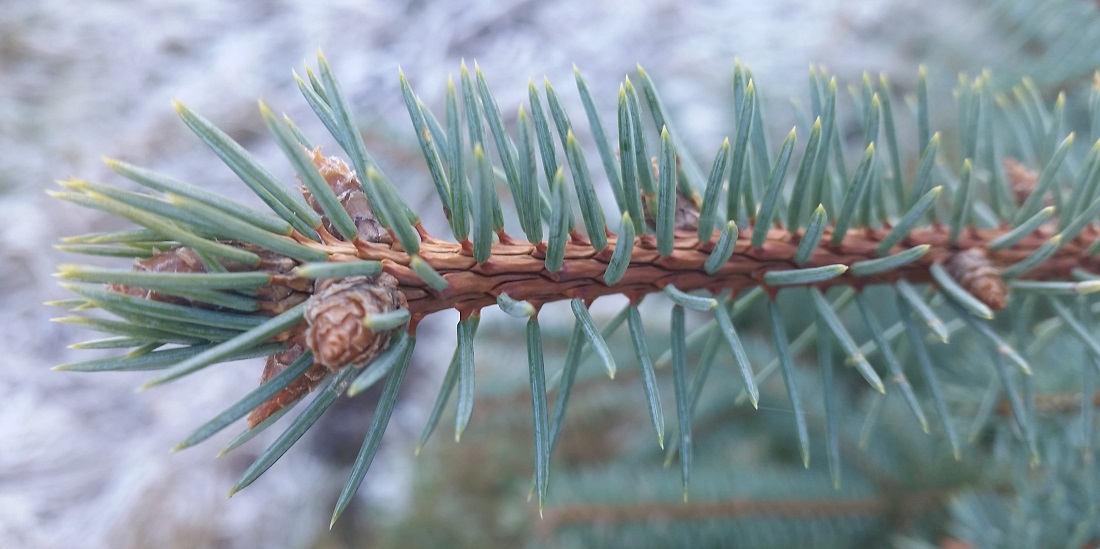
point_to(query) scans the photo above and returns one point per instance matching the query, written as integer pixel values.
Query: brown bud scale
(973, 271)
(176, 260)
(1021, 179)
(283, 293)
(335, 314)
(275, 364)
(349, 190)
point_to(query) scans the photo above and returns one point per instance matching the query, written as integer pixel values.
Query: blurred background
(84, 461)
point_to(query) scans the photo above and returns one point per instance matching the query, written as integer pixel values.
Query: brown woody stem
(517, 268)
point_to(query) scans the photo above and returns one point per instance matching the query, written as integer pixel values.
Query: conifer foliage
(979, 238)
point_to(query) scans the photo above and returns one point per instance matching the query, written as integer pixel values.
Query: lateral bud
(335, 313)
(345, 183)
(335, 333)
(973, 271)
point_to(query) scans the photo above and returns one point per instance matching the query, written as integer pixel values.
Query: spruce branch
(331, 285)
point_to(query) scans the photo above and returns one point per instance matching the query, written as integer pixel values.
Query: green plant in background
(945, 293)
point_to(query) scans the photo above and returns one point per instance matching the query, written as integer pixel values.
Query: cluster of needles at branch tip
(331, 283)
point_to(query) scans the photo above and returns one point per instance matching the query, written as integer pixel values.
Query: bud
(175, 260)
(335, 314)
(973, 271)
(349, 190)
(275, 364)
(1021, 179)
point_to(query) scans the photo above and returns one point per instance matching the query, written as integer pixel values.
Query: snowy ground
(84, 461)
